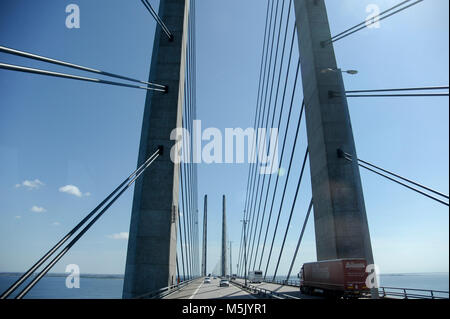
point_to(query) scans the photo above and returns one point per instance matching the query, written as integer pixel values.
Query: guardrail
(287, 283)
(394, 292)
(163, 292)
(409, 293)
(260, 291)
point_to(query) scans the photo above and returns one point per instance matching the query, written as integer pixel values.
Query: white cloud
(18, 217)
(119, 236)
(87, 194)
(38, 209)
(36, 184)
(56, 224)
(72, 190)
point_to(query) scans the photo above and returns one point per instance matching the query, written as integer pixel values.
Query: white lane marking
(196, 291)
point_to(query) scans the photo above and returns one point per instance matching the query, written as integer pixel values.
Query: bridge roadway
(199, 290)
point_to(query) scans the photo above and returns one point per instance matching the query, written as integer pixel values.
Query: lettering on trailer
(355, 265)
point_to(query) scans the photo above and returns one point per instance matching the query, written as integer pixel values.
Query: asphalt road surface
(199, 290)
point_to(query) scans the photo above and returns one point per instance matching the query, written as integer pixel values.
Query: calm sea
(110, 286)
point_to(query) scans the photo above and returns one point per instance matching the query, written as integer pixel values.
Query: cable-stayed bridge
(300, 87)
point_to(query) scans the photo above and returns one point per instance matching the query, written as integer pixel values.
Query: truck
(255, 276)
(335, 278)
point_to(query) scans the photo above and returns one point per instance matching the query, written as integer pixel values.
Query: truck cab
(300, 276)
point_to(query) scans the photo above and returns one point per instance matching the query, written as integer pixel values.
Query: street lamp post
(231, 264)
(245, 251)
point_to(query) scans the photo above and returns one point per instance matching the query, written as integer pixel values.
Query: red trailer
(339, 278)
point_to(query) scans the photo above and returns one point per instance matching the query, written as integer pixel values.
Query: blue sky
(64, 132)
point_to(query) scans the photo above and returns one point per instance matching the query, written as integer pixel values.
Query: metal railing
(164, 292)
(390, 292)
(260, 291)
(292, 283)
(410, 293)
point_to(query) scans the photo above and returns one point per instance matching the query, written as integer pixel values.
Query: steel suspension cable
(191, 121)
(186, 234)
(188, 145)
(258, 192)
(400, 95)
(279, 123)
(178, 268)
(239, 253)
(300, 239)
(411, 188)
(272, 122)
(285, 186)
(398, 182)
(187, 159)
(187, 191)
(366, 23)
(181, 244)
(373, 19)
(184, 195)
(73, 66)
(190, 112)
(284, 143)
(82, 232)
(427, 88)
(261, 121)
(18, 68)
(41, 261)
(257, 114)
(194, 83)
(193, 92)
(400, 177)
(150, 9)
(290, 215)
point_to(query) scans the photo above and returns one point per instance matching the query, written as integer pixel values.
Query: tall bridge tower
(151, 256)
(339, 211)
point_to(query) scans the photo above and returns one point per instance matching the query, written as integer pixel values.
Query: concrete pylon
(340, 219)
(231, 262)
(152, 244)
(224, 239)
(205, 236)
